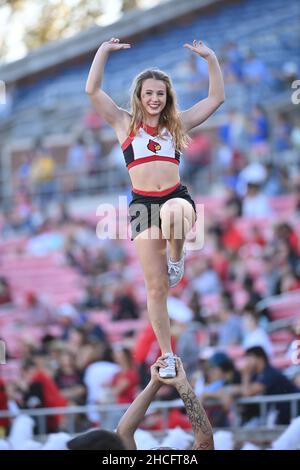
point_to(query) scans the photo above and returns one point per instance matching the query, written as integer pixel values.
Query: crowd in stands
(253, 151)
(242, 70)
(90, 287)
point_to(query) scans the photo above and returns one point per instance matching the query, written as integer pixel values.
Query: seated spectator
(229, 327)
(38, 311)
(259, 130)
(40, 391)
(253, 333)
(282, 130)
(285, 232)
(253, 173)
(222, 376)
(205, 278)
(76, 158)
(232, 54)
(69, 380)
(98, 377)
(248, 284)
(260, 378)
(255, 203)
(230, 235)
(43, 171)
(254, 70)
(124, 306)
(124, 383)
(195, 73)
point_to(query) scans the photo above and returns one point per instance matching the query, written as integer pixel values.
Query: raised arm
(138, 408)
(203, 434)
(201, 111)
(103, 104)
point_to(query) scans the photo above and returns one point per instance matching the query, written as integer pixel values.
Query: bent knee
(158, 288)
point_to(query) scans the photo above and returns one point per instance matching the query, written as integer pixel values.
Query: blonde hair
(169, 117)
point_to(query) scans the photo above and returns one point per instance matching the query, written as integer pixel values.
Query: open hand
(200, 48)
(114, 44)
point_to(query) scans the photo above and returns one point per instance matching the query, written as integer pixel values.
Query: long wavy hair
(169, 117)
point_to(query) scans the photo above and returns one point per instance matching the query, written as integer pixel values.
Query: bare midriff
(154, 176)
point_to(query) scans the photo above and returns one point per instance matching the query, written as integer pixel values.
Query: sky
(14, 30)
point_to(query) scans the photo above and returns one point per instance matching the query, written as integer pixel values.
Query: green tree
(55, 19)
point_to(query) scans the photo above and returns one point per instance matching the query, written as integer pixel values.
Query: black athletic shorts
(144, 211)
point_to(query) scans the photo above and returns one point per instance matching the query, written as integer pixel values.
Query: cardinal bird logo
(153, 146)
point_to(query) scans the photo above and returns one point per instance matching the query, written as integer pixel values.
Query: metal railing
(72, 411)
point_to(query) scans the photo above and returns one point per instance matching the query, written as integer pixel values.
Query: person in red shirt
(40, 391)
(125, 382)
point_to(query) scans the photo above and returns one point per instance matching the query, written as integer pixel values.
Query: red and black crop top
(147, 146)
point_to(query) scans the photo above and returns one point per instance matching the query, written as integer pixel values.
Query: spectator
(229, 328)
(97, 378)
(255, 203)
(124, 383)
(40, 391)
(124, 305)
(260, 378)
(258, 133)
(76, 157)
(249, 286)
(69, 379)
(254, 334)
(24, 171)
(281, 131)
(42, 175)
(222, 378)
(254, 70)
(205, 278)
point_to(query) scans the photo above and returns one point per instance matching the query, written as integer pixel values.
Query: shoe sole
(167, 375)
(173, 285)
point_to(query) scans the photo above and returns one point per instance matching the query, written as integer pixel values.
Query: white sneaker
(169, 371)
(175, 270)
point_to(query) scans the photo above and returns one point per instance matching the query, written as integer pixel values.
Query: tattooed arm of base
(203, 433)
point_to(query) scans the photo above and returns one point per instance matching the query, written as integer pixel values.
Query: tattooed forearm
(197, 416)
